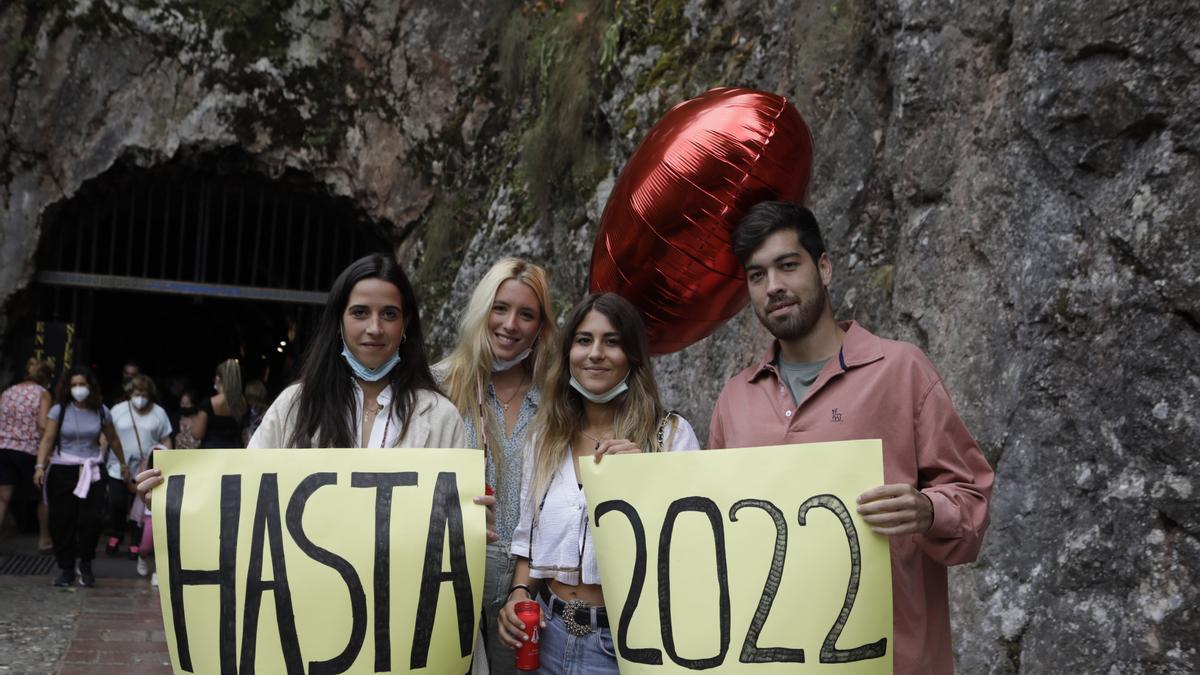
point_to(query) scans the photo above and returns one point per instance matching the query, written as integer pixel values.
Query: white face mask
(500, 365)
(138, 402)
(79, 393)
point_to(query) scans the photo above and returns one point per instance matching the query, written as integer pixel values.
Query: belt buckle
(570, 609)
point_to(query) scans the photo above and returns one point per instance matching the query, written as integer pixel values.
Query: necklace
(504, 404)
(591, 437)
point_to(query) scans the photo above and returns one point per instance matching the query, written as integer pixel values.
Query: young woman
(600, 399)
(223, 415)
(365, 381)
(191, 432)
(73, 429)
(494, 378)
(141, 425)
(23, 410)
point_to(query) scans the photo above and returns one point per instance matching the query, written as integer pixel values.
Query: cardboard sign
(749, 560)
(329, 561)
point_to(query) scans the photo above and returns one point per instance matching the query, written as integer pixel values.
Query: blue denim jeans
(497, 580)
(566, 654)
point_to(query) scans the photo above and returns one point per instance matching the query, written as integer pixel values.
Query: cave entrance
(183, 265)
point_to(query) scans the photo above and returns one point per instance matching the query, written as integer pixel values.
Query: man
(824, 380)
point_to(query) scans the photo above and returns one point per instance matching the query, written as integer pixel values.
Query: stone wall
(1010, 185)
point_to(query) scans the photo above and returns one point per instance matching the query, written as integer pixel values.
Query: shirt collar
(859, 347)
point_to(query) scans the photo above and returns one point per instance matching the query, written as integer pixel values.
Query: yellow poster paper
(297, 561)
(748, 560)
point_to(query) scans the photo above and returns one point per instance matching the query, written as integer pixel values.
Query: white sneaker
(143, 567)
(154, 580)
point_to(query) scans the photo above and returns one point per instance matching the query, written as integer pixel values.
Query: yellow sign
(332, 561)
(743, 561)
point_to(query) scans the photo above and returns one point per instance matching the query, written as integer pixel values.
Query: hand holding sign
(738, 559)
(321, 560)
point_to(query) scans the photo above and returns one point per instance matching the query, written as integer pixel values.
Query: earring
(403, 339)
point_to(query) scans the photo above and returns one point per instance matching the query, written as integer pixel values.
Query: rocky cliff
(1009, 185)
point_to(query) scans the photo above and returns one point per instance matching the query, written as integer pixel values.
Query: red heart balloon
(665, 237)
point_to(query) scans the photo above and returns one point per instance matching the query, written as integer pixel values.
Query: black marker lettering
(383, 483)
(709, 508)
(829, 651)
(751, 652)
(223, 576)
(268, 527)
(446, 514)
(358, 598)
(647, 655)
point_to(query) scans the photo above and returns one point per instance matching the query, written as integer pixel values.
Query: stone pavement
(115, 627)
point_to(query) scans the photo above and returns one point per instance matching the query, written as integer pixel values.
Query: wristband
(527, 589)
(40, 466)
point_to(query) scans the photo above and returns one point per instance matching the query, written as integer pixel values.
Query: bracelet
(40, 466)
(528, 590)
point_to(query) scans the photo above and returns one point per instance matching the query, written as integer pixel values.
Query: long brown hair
(639, 410)
(326, 413)
(468, 369)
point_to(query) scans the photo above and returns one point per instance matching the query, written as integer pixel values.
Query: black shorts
(16, 469)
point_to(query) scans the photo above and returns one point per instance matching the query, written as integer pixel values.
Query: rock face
(1009, 185)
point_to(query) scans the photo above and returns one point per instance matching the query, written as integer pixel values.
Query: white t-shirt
(563, 517)
(152, 427)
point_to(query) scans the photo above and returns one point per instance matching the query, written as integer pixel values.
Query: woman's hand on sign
(490, 502)
(895, 510)
(510, 628)
(147, 481)
(616, 446)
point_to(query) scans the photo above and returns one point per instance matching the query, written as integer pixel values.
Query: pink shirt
(19, 407)
(876, 388)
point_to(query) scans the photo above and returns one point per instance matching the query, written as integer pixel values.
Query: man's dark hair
(766, 218)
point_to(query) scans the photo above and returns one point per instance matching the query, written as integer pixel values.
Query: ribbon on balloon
(664, 241)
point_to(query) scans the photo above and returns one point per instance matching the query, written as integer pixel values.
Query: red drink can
(530, 614)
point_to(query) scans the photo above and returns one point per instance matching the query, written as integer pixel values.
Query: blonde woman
(600, 399)
(223, 415)
(494, 377)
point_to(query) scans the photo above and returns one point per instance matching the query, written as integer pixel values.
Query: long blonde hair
(230, 373)
(468, 369)
(640, 411)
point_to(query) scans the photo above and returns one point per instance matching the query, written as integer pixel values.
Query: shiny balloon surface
(664, 241)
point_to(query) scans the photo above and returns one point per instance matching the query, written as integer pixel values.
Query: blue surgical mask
(499, 366)
(607, 396)
(369, 374)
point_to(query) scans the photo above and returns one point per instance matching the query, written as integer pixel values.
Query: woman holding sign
(600, 399)
(494, 376)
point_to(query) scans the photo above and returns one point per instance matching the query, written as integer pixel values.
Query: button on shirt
(875, 388)
(563, 516)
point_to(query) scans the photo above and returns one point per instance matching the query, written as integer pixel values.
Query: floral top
(508, 492)
(19, 407)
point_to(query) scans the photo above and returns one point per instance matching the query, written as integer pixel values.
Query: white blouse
(563, 518)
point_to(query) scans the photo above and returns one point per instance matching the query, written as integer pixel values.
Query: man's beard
(797, 324)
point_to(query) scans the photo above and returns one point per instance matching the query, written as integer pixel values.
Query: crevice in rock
(1105, 49)
(1012, 650)
(1188, 317)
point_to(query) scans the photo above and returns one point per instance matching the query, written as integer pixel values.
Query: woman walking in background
(600, 399)
(494, 378)
(142, 425)
(189, 437)
(68, 466)
(23, 410)
(223, 415)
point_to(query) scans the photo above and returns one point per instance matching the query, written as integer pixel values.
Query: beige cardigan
(434, 423)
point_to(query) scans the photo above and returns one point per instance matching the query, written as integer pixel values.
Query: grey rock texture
(1009, 185)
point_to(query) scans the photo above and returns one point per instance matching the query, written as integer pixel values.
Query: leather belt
(579, 617)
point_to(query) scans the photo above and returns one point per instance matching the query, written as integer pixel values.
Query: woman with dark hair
(600, 399)
(191, 431)
(23, 409)
(73, 429)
